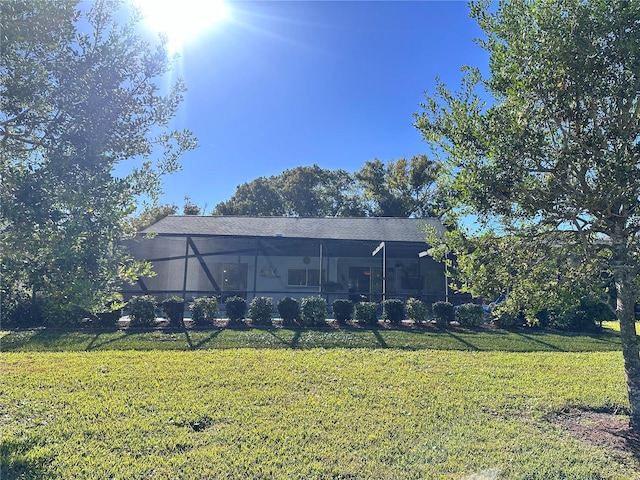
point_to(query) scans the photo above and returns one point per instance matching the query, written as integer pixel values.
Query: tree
(307, 191)
(78, 98)
(401, 188)
(404, 188)
(316, 192)
(152, 214)
(259, 197)
(543, 273)
(557, 148)
(191, 208)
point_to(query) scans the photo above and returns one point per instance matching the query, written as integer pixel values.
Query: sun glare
(181, 20)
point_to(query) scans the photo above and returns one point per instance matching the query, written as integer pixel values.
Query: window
(303, 277)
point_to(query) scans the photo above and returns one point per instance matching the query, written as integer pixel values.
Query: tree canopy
(549, 141)
(401, 188)
(79, 97)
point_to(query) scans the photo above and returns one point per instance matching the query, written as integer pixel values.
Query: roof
(389, 229)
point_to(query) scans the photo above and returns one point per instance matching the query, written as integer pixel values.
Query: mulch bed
(601, 429)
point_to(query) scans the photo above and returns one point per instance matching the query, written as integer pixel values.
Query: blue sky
(280, 84)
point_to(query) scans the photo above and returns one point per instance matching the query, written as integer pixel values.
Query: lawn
(524, 340)
(380, 408)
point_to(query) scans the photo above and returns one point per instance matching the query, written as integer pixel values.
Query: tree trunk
(624, 275)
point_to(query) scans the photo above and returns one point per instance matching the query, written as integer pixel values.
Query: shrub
(203, 310)
(142, 310)
(469, 314)
(20, 309)
(393, 310)
(173, 307)
(366, 313)
(236, 308)
(505, 319)
(314, 311)
(342, 310)
(260, 310)
(416, 310)
(288, 310)
(593, 312)
(585, 317)
(443, 313)
(108, 319)
(58, 314)
(109, 309)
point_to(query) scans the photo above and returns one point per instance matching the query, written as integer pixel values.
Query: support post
(186, 266)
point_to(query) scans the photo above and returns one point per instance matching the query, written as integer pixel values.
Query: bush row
(313, 311)
(310, 311)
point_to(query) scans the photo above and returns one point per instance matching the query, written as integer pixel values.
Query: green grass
(317, 413)
(282, 338)
(305, 403)
(615, 326)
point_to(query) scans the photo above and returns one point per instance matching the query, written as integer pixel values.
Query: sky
(280, 84)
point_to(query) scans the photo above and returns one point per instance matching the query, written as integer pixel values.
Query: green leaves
(552, 157)
(79, 96)
(399, 188)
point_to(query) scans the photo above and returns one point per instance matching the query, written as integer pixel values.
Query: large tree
(79, 97)
(401, 188)
(306, 191)
(556, 145)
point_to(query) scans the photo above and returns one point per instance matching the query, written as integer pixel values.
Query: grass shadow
(94, 345)
(296, 339)
(287, 343)
(17, 463)
(198, 345)
(470, 346)
(606, 338)
(547, 345)
(381, 341)
(92, 342)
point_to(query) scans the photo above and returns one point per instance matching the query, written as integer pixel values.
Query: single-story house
(355, 258)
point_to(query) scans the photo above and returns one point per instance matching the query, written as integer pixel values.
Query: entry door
(360, 280)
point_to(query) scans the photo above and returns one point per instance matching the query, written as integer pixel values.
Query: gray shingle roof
(372, 228)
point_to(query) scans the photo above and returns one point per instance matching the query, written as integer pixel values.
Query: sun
(181, 20)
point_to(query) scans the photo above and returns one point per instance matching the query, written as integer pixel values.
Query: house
(356, 258)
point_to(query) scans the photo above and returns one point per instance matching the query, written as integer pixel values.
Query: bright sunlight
(181, 20)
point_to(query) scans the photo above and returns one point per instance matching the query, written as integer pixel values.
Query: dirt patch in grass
(604, 429)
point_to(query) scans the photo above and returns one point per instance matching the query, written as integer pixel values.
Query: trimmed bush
(342, 310)
(142, 310)
(289, 310)
(57, 314)
(20, 309)
(236, 308)
(443, 313)
(503, 319)
(469, 314)
(203, 310)
(366, 313)
(585, 317)
(393, 310)
(108, 319)
(260, 310)
(314, 311)
(108, 309)
(173, 307)
(416, 310)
